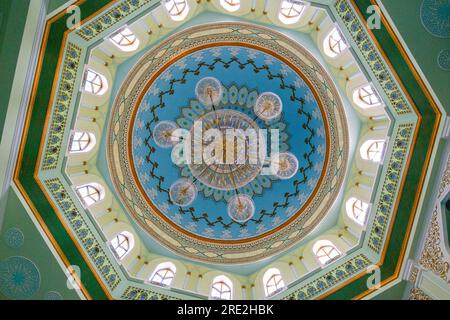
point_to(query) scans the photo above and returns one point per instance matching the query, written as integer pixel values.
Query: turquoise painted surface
(150, 243)
(301, 128)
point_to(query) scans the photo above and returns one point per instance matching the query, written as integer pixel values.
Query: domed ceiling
(108, 157)
(247, 65)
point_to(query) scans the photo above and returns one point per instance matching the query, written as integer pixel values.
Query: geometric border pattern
(133, 88)
(422, 142)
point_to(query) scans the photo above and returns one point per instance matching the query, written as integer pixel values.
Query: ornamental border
(352, 9)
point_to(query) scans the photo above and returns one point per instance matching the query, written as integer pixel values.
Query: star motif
(209, 232)
(276, 221)
(226, 234)
(290, 211)
(299, 83)
(243, 233)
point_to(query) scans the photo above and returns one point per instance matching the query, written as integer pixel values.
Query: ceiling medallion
(268, 106)
(286, 165)
(183, 193)
(209, 91)
(238, 163)
(163, 134)
(229, 144)
(241, 208)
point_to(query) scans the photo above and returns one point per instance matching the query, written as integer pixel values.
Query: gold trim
(64, 258)
(427, 161)
(30, 109)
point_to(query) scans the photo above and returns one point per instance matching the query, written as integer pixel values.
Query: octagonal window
(231, 5)
(222, 288)
(164, 274)
(367, 97)
(372, 150)
(91, 193)
(334, 43)
(122, 244)
(125, 40)
(325, 252)
(291, 11)
(95, 83)
(357, 210)
(177, 9)
(81, 142)
(273, 282)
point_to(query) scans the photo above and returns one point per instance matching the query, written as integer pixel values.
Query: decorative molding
(445, 182)
(330, 279)
(417, 294)
(390, 188)
(373, 57)
(110, 18)
(133, 293)
(432, 257)
(93, 247)
(64, 97)
(191, 40)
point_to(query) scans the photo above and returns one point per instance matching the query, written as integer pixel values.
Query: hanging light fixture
(183, 193)
(241, 208)
(285, 165)
(163, 134)
(209, 91)
(268, 106)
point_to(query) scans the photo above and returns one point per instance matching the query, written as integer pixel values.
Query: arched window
(95, 83)
(125, 40)
(372, 150)
(164, 274)
(177, 9)
(273, 282)
(357, 210)
(367, 97)
(231, 5)
(91, 193)
(325, 251)
(122, 244)
(334, 43)
(81, 142)
(290, 11)
(222, 288)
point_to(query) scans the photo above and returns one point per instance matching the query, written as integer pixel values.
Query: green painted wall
(405, 13)
(13, 15)
(55, 4)
(35, 249)
(423, 45)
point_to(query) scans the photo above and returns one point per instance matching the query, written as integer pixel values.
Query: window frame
(102, 86)
(361, 101)
(350, 210)
(128, 239)
(98, 189)
(269, 276)
(291, 19)
(90, 142)
(366, 150)
(329, 48)
(320, 246)
(224, 282)
(168, 267)
(180, 15)
(230, 7)
(130, 45)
